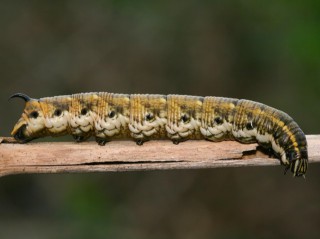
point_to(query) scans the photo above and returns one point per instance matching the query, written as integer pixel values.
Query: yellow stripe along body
(110, 116)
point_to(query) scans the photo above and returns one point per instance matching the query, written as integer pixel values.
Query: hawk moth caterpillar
(143, 117)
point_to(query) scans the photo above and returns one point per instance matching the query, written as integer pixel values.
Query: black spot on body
(149, 116)
(84, 111)
(57, 112)
(112, 114)
(250, 126)
(218, 120)
(185, 118)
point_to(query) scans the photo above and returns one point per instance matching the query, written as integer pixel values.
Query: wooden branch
(117, 156)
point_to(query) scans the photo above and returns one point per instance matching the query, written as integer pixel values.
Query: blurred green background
(263, 51)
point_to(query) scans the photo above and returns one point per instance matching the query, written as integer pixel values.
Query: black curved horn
(21, 95)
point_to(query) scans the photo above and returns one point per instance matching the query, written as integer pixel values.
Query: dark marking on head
(34, 114)
(19, 135)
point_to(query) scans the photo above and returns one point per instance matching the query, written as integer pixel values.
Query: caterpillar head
(31, 124)
(298, 162)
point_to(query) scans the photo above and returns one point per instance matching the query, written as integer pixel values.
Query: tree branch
(67, 157)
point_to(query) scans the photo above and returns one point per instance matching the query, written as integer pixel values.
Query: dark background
(263, 51)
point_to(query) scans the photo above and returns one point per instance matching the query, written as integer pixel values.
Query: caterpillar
(143, 117)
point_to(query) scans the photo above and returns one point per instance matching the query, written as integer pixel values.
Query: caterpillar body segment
(148, 117)
(112, 113)
(108, 116)
(218, 118)
(184, 117)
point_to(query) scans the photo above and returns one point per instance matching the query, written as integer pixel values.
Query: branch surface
(67, 157)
